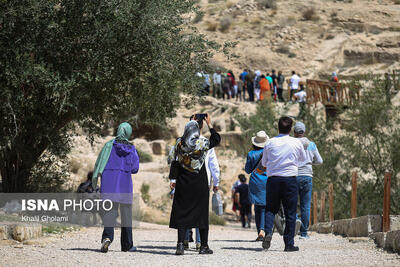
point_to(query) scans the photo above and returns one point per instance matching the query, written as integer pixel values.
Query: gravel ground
(232, 246)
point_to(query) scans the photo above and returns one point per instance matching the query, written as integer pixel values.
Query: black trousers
(250, 91)
(245, 210)
(110, 219)
(285, 190)
(280, 93)
(203, 236)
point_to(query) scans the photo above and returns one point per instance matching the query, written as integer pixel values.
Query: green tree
(371, 146)
(68, 64)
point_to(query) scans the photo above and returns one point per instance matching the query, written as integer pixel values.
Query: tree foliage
(68, 64)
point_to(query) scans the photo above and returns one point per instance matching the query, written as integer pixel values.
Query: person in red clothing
(233, 91)
(265, 88)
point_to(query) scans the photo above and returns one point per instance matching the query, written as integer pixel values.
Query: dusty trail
(232, 247)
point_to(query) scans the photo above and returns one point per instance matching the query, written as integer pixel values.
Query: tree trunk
(15, 170)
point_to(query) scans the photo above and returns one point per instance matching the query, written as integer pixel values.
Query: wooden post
(315, 206)
(322, 207)
(331, 212)
(354, 195)
(386, 203)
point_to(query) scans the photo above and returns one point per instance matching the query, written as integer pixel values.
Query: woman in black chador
(189, 178)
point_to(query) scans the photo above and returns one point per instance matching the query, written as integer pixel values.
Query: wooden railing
(321, 216)
(331, 93)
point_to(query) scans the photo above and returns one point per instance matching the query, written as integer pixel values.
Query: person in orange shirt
(265, 88)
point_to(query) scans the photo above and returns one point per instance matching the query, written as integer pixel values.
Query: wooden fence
(321, 216)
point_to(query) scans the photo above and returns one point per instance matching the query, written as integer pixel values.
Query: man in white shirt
(294, 84)
(217, 84)
(301, 98)
(282, 155)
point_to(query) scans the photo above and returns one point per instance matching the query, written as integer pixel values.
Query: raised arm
(215, 138)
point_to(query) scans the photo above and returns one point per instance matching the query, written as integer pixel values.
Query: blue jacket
(258, 178)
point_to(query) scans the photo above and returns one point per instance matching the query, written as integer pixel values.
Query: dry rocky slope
(349, 37)
(156, 247)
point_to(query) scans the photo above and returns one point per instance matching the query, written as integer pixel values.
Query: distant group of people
(254, 84)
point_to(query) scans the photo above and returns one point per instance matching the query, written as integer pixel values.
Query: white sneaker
(304, 237)
(105, 244)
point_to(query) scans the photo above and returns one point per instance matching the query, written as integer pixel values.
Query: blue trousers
(110, 220)
(282, 189)
(197, 235)
(261, 217)
(304, 184)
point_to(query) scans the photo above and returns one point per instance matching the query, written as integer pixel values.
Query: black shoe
(291, 249)
(205, 250)
(180, 249)
(186, 244)
(267, 241)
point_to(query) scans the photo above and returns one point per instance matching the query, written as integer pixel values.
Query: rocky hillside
(312, 37)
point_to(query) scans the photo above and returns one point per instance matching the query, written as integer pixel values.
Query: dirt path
(232, 247)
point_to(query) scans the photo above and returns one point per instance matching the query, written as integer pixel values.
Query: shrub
(199, 17)
(225, 24)
(396, 2)
(310, 14)
(212, 26)
(267, 4)
(229, 4)
(283, 49)
(74, 165)
(291, 55)
(216, 220)
(144, 157)
(144, 191)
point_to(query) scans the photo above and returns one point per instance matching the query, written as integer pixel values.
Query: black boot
(180, 249)
(291, 249)
(267, 241)
(205, 250)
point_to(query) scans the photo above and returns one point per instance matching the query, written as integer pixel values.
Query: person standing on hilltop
(294, 84)
(265, 88)
(280, 80)
(242, 77)
(257, 80)
(233, 90)
(188, 176)
(301, 98)
(217, 83)
(304, 176)
(258, 181)
(250, 86)
(281, 156)
(116, 162)
(274, 84)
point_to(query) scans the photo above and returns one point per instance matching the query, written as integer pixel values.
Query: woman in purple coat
(115, 164)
